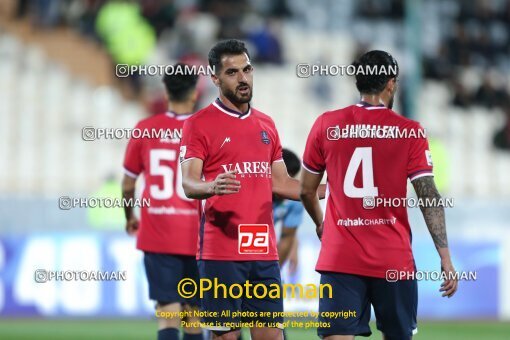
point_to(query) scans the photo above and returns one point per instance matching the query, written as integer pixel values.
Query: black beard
(237, 100)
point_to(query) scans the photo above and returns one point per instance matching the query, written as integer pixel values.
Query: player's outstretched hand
(449, 286)
(319, 230)
(226, 183)
(132, 226)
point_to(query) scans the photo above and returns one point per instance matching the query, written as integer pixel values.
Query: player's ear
(194, 95)
(215, 80)
(391, 86)
(395, 84)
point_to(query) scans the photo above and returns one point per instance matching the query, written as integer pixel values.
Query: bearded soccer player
(360, 246)
(167, 232)
(231, 159)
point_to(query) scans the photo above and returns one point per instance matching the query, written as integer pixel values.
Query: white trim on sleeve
(188, 159)
(130, 174)
(309, 170)
(421, 175)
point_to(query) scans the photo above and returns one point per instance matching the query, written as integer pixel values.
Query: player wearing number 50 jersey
(369, 152)
(167, 231)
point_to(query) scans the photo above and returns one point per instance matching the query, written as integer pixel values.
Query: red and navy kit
(357, 240)
(169, 225)
(226, 140)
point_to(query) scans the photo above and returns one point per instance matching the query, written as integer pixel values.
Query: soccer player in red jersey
(360, 247)
(167, 232)
(231, 159)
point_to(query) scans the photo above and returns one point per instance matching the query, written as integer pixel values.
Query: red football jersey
(368, 152)
(169, 224)
(236, 227)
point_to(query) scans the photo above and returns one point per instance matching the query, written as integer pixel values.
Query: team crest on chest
(265, 138)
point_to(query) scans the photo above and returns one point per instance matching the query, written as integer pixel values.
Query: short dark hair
(375, 83)
(225, 47)
(180, 84)
(292, 162)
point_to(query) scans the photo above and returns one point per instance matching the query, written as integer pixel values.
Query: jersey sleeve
(277, 150)
(193, 142)
(420, 159)
(133, 161)
(313, 158)
(293, 215)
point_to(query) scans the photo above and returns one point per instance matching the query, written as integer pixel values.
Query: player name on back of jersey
(373, 131)
(249, 169)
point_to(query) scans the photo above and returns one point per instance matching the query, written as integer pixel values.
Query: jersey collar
(220, 106)
(369, 106)
(184, 116)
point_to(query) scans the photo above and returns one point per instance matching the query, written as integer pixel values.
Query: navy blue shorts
(348, 311)
(246, 308)
(164, 271)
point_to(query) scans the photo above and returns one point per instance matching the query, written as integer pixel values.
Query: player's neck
(242, 108)
(184, 108)
(374, 99)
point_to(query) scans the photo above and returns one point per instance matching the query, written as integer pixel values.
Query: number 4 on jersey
(361, 157)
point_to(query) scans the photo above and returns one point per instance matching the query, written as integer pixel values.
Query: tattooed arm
(434, 218)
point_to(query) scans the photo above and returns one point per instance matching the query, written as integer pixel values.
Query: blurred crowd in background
(183, 28)
(465, 39)
(474, 37)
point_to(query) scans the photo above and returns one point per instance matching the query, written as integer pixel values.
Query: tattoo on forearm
(434, 216)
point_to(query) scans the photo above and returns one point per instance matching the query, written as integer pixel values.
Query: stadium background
(57, 76)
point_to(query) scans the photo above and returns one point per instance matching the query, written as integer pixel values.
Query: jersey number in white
(361, 157)
(157, 169)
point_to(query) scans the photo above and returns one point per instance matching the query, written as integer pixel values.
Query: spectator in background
(501, 138)
(160, 13)
(479, 40)
(46, 13)
(127, 36)
(390, 9)
(229, 13)
(103, 218)
(85, 17)
(439, 66)
(459, 46)
(22, 8)
(489, 95)
(264, 38)
(461, 97)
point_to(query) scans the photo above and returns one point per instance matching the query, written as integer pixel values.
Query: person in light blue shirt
(290, 215)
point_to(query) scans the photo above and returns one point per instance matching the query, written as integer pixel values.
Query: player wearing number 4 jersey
(167, 232)
(360, 245)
